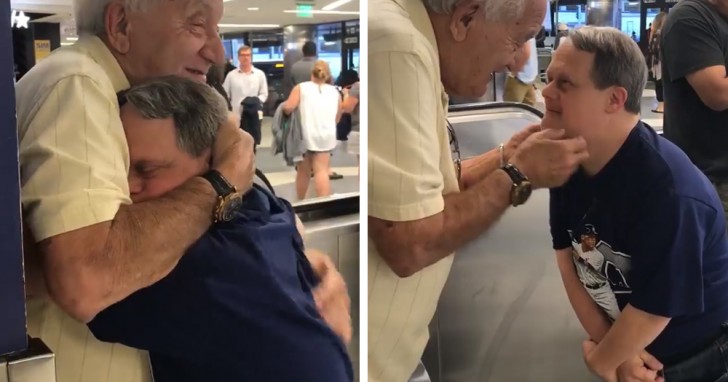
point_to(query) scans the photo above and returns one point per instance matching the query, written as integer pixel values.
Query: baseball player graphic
(589, 264)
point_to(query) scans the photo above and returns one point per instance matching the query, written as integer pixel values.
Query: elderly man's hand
(510, 148)
(332, 298)
(642, 368)
(548, 159)
(233, 155)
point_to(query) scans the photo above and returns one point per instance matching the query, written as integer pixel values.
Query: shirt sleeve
(667, 258)
(226, 86)
(74, 159)
(405, 181)
(558, 219)
(263, 87)
(691, 44)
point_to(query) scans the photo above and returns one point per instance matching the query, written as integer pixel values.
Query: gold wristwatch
(229, 199)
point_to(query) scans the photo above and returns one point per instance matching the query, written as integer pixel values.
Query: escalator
(503, 315)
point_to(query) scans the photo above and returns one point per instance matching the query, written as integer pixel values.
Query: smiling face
(588, 242)
(174, 38)
(476, 47)
(573, 102)
(157, 164)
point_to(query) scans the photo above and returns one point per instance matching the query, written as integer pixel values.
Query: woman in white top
(319, 105)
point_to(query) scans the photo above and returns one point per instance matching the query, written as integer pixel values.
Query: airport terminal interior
(269, 33)
(503, 315)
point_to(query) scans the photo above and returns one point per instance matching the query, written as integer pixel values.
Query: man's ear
(116, 19)
(617, 99)
(463, 18)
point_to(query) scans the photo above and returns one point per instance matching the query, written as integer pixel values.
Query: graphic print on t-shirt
(602, 271)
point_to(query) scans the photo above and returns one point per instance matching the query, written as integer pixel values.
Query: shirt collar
(95, 48)
(620, 162)
(420, 19)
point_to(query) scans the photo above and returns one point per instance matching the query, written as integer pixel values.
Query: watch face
(521, 193)
(231, 206)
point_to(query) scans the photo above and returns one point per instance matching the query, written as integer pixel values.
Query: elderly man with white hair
(423, 205)
(87, 245)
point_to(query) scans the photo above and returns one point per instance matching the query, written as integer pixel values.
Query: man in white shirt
(246, 81)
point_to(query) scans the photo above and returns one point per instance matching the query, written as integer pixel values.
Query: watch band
(219, 183)
(516, 175)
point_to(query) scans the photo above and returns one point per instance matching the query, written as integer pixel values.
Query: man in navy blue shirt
(239, 305)
(654, 220)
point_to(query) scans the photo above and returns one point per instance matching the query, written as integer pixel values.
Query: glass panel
(328, 44)
(572, 15)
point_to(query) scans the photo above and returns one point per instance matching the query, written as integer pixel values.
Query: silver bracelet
(502, 149)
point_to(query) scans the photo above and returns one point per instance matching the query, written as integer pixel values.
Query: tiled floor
(283, 178)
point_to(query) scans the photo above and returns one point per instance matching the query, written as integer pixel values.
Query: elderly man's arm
(477, 168)
(410, 221)
(95, 248)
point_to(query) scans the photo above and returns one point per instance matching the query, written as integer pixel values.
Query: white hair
(495, 10)
(90, 14)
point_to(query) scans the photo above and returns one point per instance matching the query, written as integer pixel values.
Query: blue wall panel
(12, 290)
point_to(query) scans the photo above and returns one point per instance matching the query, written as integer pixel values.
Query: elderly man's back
(51, 99)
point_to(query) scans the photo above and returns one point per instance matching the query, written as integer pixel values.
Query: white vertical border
(363, 192)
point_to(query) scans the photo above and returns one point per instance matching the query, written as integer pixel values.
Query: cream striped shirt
(410, 169)
(74, 161)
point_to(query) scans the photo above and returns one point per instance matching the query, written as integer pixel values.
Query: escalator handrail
(485, 106)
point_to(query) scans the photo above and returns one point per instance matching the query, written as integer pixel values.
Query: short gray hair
(495, 10)
(618, 61)
(90, 14)
(197, 109)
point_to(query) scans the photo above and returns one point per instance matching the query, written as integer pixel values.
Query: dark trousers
(707, 365)
(658, 91)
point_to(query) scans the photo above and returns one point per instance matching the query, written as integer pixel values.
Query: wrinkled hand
(331, 296)
(232, 154)
(587, 348)
(642, 368)
(548, 159)
(510, 148)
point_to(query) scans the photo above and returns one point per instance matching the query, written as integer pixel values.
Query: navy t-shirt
(651, 228)
(237, 307)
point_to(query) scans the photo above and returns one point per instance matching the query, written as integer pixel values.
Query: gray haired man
(88, 246)
(662, 245)
(256, 289)
(423, 205)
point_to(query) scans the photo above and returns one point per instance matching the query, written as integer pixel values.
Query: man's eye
(146, 172)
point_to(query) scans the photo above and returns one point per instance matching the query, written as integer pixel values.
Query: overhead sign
(304, 10)
(18, 19)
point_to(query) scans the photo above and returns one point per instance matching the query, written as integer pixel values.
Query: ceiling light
(317, 12)
(72, 38)
(253, 9)
(248, 25)
(226, 1)
(66, 43)
(335, 5)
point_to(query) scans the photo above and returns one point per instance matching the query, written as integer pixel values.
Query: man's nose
(547, 91)
(213, 51)
(136, 185)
